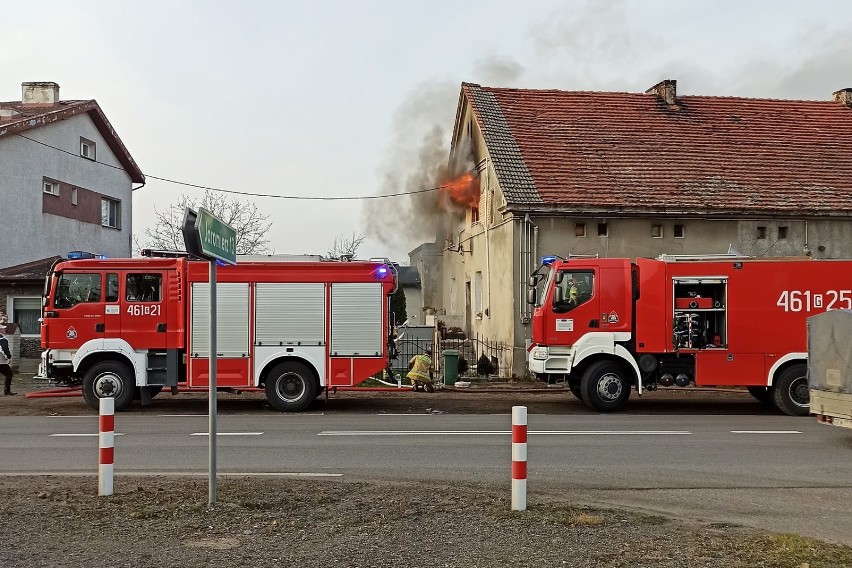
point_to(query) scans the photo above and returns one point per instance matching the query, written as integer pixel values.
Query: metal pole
(211, 438)
(106, 450)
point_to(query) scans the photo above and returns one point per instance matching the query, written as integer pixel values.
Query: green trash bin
(451, 366)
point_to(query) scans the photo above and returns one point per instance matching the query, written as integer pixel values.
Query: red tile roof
(633, 153)
(20, 117)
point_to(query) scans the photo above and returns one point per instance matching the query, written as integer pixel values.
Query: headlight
(539, 353)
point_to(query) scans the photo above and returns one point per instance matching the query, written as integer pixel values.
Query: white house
(65, 178)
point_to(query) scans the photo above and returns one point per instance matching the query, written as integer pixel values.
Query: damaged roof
(19, 117)
(634, 153)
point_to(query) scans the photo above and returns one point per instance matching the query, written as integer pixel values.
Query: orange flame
(462, 191)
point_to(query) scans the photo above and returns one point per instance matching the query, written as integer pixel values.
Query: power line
(246, 193)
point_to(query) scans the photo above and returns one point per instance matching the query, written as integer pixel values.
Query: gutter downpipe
(488, 221)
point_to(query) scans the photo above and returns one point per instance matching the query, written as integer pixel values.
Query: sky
(351, 99)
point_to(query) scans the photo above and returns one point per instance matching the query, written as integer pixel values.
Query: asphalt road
(768, 471)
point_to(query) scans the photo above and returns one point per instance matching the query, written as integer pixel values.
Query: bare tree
(345, 245)
(251, 225)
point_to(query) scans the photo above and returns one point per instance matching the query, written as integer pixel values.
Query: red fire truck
(127, 328)
(605, 326)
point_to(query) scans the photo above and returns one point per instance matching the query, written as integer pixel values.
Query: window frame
(658, 228)
(605, 231)
(86, 143)
(761, 233)
(54, 185)
(783, 229)
(10, 309)
(580, 230)
(679, 228)
(105, 221)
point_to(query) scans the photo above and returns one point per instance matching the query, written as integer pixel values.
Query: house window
(474, 215)
(25, 312)
(73, 196)
(603, 230)
(51, 187)
(656, 231)
(678, 231)
(579, 229)
(782, 232)
(110, 209)
(761, 232)
(87, 148)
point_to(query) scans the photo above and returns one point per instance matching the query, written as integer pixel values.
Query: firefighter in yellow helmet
(420, 373)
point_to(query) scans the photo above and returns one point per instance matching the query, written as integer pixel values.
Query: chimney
(39, 93)
(666, 90)
(843, 96)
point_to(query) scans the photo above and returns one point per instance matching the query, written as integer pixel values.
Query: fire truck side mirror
(559, 276)
(558, 298)
(531, 296)
(532, 282)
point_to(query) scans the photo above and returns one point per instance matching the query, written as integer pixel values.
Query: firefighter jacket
(420, 369)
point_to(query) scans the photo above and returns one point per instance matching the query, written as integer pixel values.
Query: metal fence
(484, 357)
(471, 350)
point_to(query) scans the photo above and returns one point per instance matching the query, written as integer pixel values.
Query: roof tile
(633, 152)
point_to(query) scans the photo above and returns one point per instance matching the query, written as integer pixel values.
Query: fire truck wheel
(109, 378)
(291, 386)
(790, 393)
(763, 394)
(605, 386)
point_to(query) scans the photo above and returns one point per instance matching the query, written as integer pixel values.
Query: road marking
(405, 414)
(60, 416)
(80, 435)
(228, 434)
(502, 433)
(295, 414)
(184, 415)
(765, 432)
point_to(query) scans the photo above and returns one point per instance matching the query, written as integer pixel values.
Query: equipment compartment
(700, 311)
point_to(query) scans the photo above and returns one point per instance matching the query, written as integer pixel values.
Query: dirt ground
(256, 521)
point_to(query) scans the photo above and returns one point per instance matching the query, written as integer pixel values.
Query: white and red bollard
(519, 458)
(106, 451)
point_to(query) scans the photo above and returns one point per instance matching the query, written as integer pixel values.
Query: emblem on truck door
(71, 333)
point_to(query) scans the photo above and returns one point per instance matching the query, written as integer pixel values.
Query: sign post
(207, 236)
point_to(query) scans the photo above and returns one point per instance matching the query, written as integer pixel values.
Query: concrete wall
(30, 234)
(413, 305)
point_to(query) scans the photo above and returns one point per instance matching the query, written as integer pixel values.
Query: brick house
(631, 175)
(21, 289)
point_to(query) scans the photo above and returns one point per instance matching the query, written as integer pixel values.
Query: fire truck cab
(127, 328)
(606, 326)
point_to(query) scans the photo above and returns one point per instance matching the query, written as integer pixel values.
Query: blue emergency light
(548, 260)
(79, 255)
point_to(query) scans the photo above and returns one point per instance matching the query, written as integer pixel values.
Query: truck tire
(790, 393)
(763, 394)
(291, 386)
(605, 386)
(109, 378)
